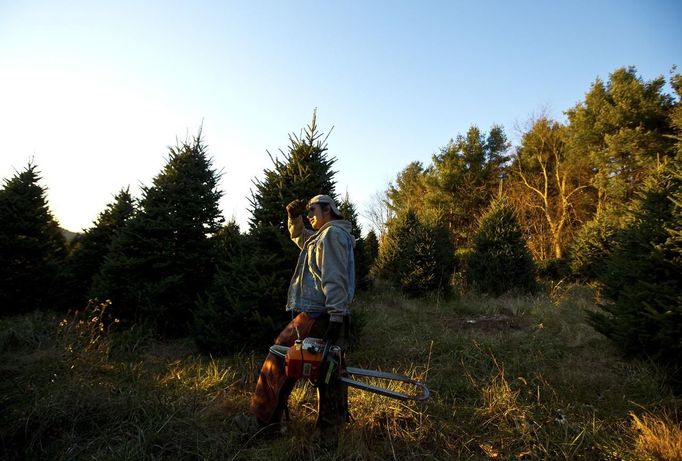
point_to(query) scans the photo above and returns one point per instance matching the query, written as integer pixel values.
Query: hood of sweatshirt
(342, 224)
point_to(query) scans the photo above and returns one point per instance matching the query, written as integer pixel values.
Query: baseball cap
(327, 200)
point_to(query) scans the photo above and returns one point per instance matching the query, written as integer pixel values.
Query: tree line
(594, 199)
(168, 259)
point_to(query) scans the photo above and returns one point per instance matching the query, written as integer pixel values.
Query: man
(319, 296)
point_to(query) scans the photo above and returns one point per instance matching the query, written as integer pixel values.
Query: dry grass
(657, 437)
(511, 378)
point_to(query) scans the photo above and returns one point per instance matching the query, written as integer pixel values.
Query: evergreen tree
(32, 247)
(409, 190)
(624, 128)
(458, 185)
(593, 245)
(305, 171)
(236, 312)
(88, 250)
(397, 246)
(433, 264)
(642, 284)
(416, 256)
(162, 260)
(464, 178)
(371, 248)
(676, 113)
(500, 261)
(362, 264)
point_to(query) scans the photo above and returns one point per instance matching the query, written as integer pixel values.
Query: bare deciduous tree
(378, 212)
(542, 164)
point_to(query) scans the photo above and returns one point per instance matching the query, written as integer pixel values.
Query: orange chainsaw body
(304, 358)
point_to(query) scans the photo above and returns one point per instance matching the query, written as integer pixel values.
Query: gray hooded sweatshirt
(324, 279)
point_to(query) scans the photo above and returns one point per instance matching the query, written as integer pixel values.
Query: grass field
(511, 378)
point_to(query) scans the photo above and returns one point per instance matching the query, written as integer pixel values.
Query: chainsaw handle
(325, 353)
(279, 351)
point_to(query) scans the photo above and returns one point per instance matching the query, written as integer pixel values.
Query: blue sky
(94, 92)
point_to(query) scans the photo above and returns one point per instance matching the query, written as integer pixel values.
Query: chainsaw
(311, 357)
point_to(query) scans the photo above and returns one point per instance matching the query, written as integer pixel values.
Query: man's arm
(299, 234)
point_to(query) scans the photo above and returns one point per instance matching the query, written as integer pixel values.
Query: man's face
(317, 216)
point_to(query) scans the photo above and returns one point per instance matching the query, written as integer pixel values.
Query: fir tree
(397, 247)
(623, 128)
(464, 179)
(305, 171)
(415, 256)
(237, 310)
(163, 259)
(32, 247)
(642, 312)
(89, 249)
(371, 248)
(500, 261)
(433, 263)
(593, 245)
(362, 264)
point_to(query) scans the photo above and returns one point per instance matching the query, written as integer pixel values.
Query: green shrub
(553, 268)
(416, 256)
(500, 261)
(593, 245)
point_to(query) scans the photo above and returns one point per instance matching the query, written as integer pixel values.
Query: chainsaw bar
(345, 377)
(425, 392)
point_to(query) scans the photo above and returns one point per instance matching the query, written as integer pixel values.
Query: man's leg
(273, 388)
(332, 399)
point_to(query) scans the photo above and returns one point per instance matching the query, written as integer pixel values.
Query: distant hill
(68, 235)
